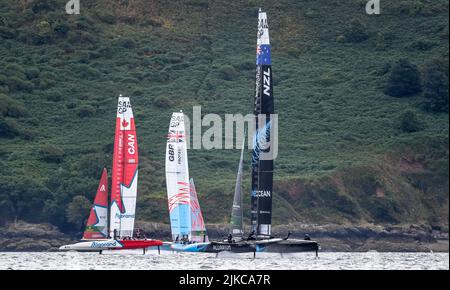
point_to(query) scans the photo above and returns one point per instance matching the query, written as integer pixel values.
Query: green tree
(163, 102)
(77, 211)
(52, 153)
(404, 80)
(435, 86)
(22, 197)
(227, 72)
(86, 111)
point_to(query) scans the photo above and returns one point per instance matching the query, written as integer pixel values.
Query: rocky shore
(23, 236)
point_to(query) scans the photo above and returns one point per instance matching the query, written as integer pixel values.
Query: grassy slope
(339, 138)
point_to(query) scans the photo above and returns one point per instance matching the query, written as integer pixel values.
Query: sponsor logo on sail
(124, 216)
(262, 193)
(180, 155)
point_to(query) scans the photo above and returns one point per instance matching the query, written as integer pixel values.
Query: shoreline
(25, 237)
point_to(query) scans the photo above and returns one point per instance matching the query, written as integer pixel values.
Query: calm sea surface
(203, 261)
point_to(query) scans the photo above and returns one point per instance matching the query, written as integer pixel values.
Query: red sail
(97, 224)
(124, 172)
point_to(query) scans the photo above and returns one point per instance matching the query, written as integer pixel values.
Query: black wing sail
(262, 168)
(237, 229)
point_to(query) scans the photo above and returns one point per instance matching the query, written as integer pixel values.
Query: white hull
(94, 246)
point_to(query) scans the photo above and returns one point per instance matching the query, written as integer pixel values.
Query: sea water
(204, 261)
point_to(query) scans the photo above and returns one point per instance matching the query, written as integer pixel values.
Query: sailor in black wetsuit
(230, 238)
(307, 237)
(251, 236)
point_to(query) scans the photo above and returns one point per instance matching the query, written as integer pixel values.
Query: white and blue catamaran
(186, 219)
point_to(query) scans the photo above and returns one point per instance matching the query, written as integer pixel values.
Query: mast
(262, 168)
(97, 223)
(124, 172)
(197, 222)
(237, 228)
(177, 179)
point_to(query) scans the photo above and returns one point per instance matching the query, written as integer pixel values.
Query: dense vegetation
(362, 103)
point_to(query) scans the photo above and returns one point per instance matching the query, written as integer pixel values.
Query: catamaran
(186, 219)
(118, 234)
(236, 242)
(262, 168)
(260, 238)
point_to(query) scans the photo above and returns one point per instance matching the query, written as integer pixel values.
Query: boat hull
(240, 246)
(194, 247)
(100, 245)
(290, 246)
(274, 245)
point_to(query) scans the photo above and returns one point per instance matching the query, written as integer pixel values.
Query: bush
(341, 39)
(127, 43)
(32, 73)
(85, 23)
(86, 111)
(77, 211)
(23, 196)
(51, 153)
(91, 164)
(14, 70)
(423, 45)
(61, 29)
(411, 7)
(409, 122)
(106, 17)
(228, 73)
(435, 86)
(7, 33)
(163, 102)
(356, 32)
(8, 128)
(10, 107)
(43, 28)
(17, 84)
(404, 80)
(43, 5)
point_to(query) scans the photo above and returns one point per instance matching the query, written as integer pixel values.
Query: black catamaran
(264, 153)
(260, 238)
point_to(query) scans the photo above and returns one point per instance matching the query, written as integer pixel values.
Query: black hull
(238, 247)
(291, 246)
